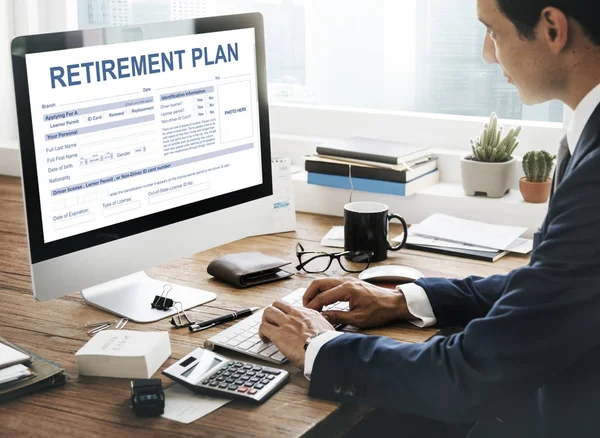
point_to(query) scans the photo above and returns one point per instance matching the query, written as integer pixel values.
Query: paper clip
(98, 326)
(121, 324)
(161, 302)
(179, 321)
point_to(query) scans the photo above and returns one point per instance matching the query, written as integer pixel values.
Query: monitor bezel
(41, 251)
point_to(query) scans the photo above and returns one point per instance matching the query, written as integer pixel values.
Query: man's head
(539, 43)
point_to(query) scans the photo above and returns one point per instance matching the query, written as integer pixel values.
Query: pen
(203, 325)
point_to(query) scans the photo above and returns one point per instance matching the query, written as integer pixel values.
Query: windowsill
(447, 198)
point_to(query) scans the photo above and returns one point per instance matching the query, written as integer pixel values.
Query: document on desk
(334, 238)
(454, 229)
(185, 406)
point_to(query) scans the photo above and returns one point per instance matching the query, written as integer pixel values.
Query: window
(400, 55)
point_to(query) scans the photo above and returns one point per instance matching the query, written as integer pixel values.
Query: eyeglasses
(319, 261)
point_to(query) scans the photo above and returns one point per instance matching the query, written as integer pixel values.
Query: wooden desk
(100, 406)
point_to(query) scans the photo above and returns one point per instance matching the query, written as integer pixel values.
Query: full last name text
(140, 65)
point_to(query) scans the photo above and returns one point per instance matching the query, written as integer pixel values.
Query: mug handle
(404, 236)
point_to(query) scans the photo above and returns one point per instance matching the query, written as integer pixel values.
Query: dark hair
(525, 14)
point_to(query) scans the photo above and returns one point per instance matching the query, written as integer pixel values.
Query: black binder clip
(179, 322)
(161, 302)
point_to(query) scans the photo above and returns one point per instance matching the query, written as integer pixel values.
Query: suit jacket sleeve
(546, 317)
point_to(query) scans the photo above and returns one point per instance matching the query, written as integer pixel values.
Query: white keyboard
(243, 336)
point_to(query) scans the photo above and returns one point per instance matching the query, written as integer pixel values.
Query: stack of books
(372, 165)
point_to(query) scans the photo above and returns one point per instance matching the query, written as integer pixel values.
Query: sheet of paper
(432, 241)
(284, 209)
(521, 246)
(185, 406)
(334, 238)
(476, 233)
(15, 372)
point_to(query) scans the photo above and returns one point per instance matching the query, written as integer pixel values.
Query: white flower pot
(490, 179)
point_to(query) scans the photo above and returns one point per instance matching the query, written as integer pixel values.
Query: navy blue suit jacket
(529, 356)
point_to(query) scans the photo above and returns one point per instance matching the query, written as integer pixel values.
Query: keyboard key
(260, 347)
(246, 345)
(234, 343)
(255, 339)
(278, 356)
(269, 351)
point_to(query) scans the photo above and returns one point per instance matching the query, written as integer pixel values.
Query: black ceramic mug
(366, 227)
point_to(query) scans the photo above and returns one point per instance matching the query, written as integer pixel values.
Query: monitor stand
(131, 297)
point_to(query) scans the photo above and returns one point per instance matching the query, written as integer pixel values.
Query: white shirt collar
(582, 116)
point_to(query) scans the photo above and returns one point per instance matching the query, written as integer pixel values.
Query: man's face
(525, 63)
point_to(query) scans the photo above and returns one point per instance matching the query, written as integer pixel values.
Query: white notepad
(9, 356)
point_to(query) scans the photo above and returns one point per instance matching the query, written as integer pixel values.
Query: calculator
(206, 372)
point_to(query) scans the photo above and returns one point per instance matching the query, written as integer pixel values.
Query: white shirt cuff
(418, 305)
(313, 349)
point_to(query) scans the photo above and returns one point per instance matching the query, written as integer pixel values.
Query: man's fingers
(338, 317)
(333, 295)
(283, 306)
(266, 330)
(319, 286)
(274, 316)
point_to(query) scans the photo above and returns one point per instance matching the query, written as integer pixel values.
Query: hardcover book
(375, 150)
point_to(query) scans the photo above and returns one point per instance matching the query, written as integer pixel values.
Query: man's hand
(288, 328)
(370, 305)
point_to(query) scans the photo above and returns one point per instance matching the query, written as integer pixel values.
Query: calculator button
(223, 385)
(242, 389)
(257, 368)
(247, 367)
(244, 378)
(231, 363)
(221, 378)
(213, 383)
(239, 364)
(252, 391)
(227, 374)
(250, 373)
(230, 380)
(206, 382)
(271, 371)
(260, 375)
(236, 376)
(265, 381)
(270, 377)
(232, 387)
(254, 379)
(259, 386)
(239, 382)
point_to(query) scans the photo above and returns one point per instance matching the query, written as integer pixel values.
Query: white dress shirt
(416, 299)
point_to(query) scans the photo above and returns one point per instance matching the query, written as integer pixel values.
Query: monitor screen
(127, 130)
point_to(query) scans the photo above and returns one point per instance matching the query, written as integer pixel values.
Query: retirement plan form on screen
(126, 130)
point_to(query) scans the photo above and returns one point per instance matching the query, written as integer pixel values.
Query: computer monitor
(139, 145)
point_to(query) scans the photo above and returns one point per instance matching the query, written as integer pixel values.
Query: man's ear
(554, 28)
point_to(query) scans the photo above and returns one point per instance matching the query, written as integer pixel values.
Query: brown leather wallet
(247, 269)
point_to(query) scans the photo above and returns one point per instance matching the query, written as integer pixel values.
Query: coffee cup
(366, 226)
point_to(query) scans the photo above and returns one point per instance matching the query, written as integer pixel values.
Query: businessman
(527, 363)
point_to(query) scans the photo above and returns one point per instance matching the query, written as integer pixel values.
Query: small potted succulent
(536, 184)
(490, 169)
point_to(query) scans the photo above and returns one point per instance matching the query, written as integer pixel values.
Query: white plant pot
(490, 179)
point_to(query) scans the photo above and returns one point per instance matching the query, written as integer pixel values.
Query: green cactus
(537, 165)
(490, 147)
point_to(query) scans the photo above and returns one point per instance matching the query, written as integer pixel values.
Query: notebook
(9, 356)
(46, 374)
